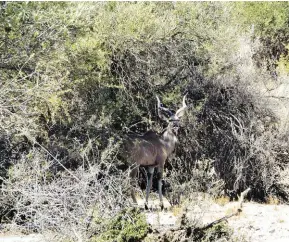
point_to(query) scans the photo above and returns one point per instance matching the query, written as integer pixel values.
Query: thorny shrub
(68, 203)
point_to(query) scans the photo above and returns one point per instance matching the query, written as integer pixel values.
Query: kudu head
(173, 119)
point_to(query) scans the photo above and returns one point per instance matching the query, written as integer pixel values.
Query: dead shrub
(69, 203)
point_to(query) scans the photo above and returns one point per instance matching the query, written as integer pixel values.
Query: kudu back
(151, 150)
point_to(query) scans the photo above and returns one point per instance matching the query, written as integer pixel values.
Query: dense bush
(76, 77)
(128, 225)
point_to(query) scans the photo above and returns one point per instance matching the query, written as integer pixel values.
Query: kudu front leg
(133, 175)
(160, 179)
(150, 173)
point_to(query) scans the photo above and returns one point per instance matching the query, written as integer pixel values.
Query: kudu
(151, 150)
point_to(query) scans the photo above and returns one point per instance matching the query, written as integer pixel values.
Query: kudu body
(151, 150)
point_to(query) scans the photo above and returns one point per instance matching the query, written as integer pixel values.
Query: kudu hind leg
(150, 173)
(160, 178)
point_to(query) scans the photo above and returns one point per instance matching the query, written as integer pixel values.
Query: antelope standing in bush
(151, 150)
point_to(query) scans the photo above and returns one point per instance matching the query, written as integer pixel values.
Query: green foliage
(283, 64)
(62, 56)
(128, 225)
(218, 231)
(267, 17)
(267, 21)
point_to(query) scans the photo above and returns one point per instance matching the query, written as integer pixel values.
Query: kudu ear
(180, 112)
(162, 110)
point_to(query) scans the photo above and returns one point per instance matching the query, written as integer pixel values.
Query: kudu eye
(176, 124)
(173, 118)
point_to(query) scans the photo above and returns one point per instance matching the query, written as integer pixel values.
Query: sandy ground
(256, 222)
(261, 222)
(22, 238)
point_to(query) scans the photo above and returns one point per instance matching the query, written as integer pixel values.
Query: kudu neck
(170, 140)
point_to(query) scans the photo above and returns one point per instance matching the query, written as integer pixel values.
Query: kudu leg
(160, 178)
(150, 173)
(133, 175)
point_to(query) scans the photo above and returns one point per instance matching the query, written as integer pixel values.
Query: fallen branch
(188, 231)
(242, 196)
(237, 212)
